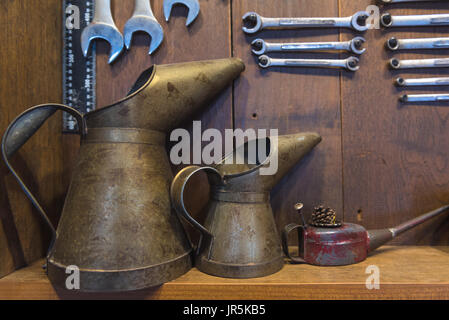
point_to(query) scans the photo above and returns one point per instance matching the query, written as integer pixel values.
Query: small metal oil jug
(239, 238)
(334, 243)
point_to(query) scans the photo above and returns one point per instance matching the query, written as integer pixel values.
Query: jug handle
(289, 228)
(177, 194)
(19, 132)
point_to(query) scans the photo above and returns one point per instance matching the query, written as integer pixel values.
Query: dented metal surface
(239, 238)
(117, 225)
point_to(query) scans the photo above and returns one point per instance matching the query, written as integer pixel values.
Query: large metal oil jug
(239, 238)
(117, 225)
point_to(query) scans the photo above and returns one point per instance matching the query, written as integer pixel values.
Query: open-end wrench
(425, 97)
(427, 43)
(103, 27)
(260, 46)
(192, 5)
(401, 82)
(401, 1)
(350, 63)
(425, 20)
(143, 20)
(257, 22)
(419, 63)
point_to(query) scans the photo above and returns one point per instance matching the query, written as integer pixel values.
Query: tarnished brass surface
(239, 237)
(117, 225)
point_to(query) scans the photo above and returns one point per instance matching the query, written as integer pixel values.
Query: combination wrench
(192, 5)
(428, 43)
(401, 82)
(143, 19)
(260, 46)
(257, 22)
(350, 63)
(103, 27)
(425, 97)
(426, 20)
(419, 63)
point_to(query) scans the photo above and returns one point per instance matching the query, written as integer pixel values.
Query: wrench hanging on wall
(255, 22)
(401, 82)
(440, 97)
(103, 27)
(350, 64)
(260, 46)
(192, 5)
(429, 43)
(419, 63)
(426, 20)
(143, 19)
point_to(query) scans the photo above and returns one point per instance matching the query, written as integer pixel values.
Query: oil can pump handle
(301, 230)
(289, 228)
(177, 193)
(20, 131)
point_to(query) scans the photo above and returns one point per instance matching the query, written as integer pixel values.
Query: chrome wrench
(428, 43)
(419, 63)
(350, 63)
(401, 82)
(192, 5)
(260, 46)
(143, 19)
(426, 20)
(424, 97)
(103, 27)
(257, 22)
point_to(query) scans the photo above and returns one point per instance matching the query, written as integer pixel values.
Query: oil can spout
(378, 238)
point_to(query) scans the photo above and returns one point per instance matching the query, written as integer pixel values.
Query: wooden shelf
(405, 273)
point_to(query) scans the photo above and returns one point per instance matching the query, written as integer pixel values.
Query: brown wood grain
(380, 162)
(293, 100)
(425, 278)
(395, 155)
(30, 71)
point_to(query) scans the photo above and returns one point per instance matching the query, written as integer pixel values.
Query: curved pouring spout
(284, 153)
(165, 96)
(378, 238)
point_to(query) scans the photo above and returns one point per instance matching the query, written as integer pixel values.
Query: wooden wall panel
(293, 100)
(379, 163)
(395, 156)
(30, 70)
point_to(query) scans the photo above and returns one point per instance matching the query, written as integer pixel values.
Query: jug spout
(165, 96)
(378, 238)
(290, 150)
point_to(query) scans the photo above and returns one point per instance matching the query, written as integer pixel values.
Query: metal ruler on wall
(79, 73)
